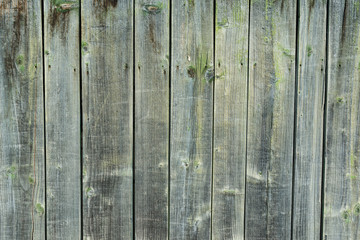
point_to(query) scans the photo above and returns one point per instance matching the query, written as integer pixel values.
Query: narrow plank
(230, 115)
(192, 78)
(151, 118)
(22, 193)
(62, 119)
(310, 112)
(270, 119)
(107, 63)
(342, 173)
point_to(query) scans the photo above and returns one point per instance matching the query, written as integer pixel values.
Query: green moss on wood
(308, 50)
(40, 209)
(346, 216)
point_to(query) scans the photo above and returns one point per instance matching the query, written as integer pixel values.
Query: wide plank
(270, 119)
(309, 119)
(151, 118)
(342, 172)
(230, 118)
(107, 100)
(192, 80)
(22, 172)
(62, 119)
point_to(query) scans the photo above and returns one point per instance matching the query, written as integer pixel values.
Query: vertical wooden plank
(192, 78)
(62, 119)
(310, 112)
(22, 195)
(342, 198)
(151, 118)
(107, 63)
(270, 119)
(230, 115)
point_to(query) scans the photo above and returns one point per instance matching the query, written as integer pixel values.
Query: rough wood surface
(22, 193)
(191, 119)
(62, 119)
(342, 173)
(107, 75)
(309, 122)
(270, 120)
(230, 115)
(151, 118)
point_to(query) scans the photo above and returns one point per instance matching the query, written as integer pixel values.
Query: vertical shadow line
(247, 116)
(81, 127)
(169, 140)
(133, 115)
(295, 115)
(213, 121)
(44, 107)
(324, 122)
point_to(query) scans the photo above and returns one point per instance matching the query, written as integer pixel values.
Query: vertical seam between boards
(169, 137)
(213, 123)
(44, 110)
(295, 114)
(247, 117)
(324, 122)
(133, 116)
(81, 126)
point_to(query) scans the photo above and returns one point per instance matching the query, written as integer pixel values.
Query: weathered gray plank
(310, 112)
(342, 198)
(270, 119)
(22, 194)
(107, 100)
(62, 119)
(151, 118)
(191, 119)
(231, 68)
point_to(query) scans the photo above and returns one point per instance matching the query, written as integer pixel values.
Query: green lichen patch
(309, 50)
(339, 99)
(356, 209)
(47, 52)
(224, 23)
(89, 192)
(40, 209)
(346, 216)
(191, 71)
(229, 192)
(31, 180)
(11, 172)
(153, 8)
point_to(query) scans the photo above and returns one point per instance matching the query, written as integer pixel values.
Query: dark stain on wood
(19, 19)
(105, 4)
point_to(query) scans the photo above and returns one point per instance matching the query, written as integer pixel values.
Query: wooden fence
(180, 119)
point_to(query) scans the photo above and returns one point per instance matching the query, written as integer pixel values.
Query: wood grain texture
(230, 115)
(310, 118)
(107, 71)
(22, 191)
(191, 119)
(342, 173)
(151, 118)
(270, 120)
(62, 116)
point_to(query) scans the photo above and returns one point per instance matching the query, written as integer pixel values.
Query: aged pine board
(22, 193)
(230, 115)
(341, 200)
(192, 76)
(62, 119)
(151, 118)
(270, 119)
(107, 88)
(309, 119)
